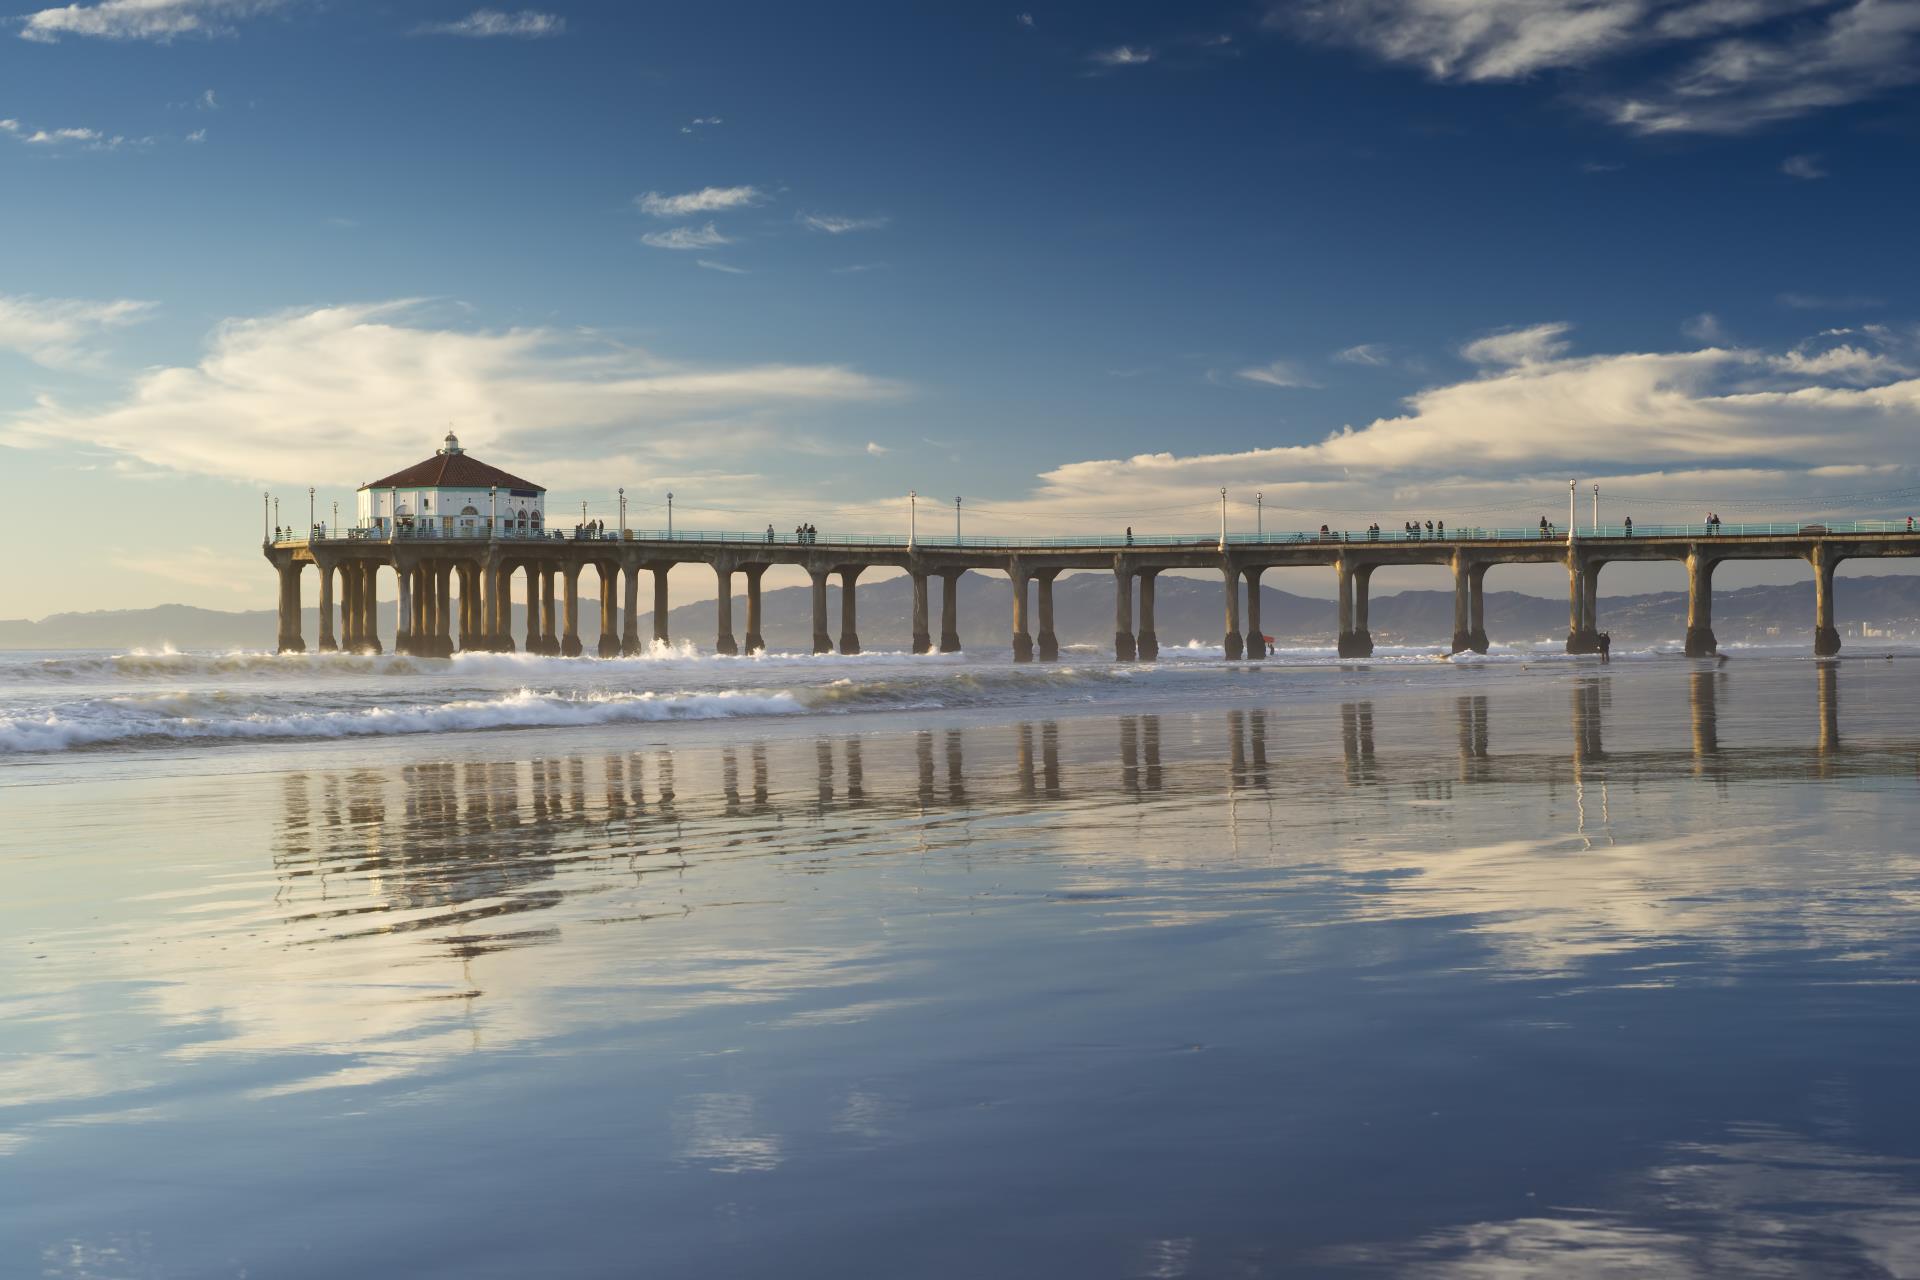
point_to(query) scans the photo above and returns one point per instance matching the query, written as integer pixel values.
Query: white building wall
(447, 509)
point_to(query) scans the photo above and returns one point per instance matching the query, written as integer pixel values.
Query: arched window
(469, 511)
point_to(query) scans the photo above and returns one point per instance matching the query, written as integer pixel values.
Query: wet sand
(1553, 971)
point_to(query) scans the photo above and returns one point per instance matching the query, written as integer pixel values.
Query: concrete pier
(1022, 638)
(723, 640)
(922, 638)
(1148, 639)
(425, 563)
(849, 610)
(1233, 643)
(950, 611)
(1256, 634)
(1700, 640)
(1049, 642)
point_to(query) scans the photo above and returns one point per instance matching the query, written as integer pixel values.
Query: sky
(1082, 265)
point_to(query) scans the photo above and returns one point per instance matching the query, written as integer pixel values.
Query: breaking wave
(189, 718)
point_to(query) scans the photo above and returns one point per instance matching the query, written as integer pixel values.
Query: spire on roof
(453, 443)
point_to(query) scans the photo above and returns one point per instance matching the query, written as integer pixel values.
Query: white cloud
(1705, 327)
(321, 396)
(1278, 373)
(198, 135)
(1024, 19)
(1368, 353)
(835, 225)
(875, 449)
(711, 265)
(1804, 166)
(1744, 66)
(686, 238)
(92, 139)
(209, 101)
(481, 24)
(701, 122)
(58, 332)
(705, 200)
(159, 20)
(1125, 55)
(1531, 345)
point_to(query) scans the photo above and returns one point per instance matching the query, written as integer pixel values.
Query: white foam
(185, 717)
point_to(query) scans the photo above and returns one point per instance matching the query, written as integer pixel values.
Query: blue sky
(1083, 264)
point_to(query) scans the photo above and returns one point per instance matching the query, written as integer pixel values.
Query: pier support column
(1700, 641)
(1343, 609)
(753, 574)
(1233, 642)
(1581, 636)
(1360, 642)
(630, 617)
(822, 638)
(1147, 642)
(471, 627)
(609, 646)
(443, 610)
(403, 613)
(1826, 637)
(501, 600)
(370, 607)
(922, 638)
(327, 642)
(1462, 604)
(532, 618)
(350, 607)
(290, 638)
(549, 616)
(1049, 642)
(1256, 634)
(1124, 649)
(1477, 608)
(723, 641)
(660, 604)
(570, 641)
(849, 610)
(1022, 640)
(950, 612)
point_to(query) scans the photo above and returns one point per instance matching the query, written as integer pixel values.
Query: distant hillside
(1188, 609)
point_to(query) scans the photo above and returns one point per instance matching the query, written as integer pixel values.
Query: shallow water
(1522, 967)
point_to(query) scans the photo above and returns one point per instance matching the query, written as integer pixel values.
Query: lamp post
(669, 515)
(1223, 517)
(1260, 514)
(493, 510)
(623, 513)
(956, 522)
(276, 515)
(1573, 508)
(309, 513)
(266, 504)
(1596, 511)
(336, 514)
(913, 517)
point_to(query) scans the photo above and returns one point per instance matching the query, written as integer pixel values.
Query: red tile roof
(453, 471)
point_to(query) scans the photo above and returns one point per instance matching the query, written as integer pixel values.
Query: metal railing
(1552, 533)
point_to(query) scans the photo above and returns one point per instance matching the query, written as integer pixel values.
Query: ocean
(789, 966)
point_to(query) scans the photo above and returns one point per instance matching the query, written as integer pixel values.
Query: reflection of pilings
(1247, 744)
(1050, 758)
(1470, 712)
(1023, 760)
(856, 772)
(1130, 754)
(760, 794)
(923, 751)
(823, 771)
(1150, 749)
(956, 768)
(1587, 702)
(1356, 740)
(1701, 693)
(1827, 674)
(730, 779)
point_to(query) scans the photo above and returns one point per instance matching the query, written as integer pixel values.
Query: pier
(424, 563)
